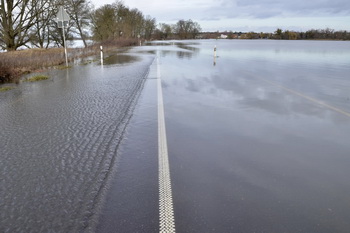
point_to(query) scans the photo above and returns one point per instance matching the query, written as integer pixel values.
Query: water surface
(258, 141)
(250, 147)
(59, 141)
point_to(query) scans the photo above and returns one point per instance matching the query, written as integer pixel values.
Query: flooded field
(258, 140)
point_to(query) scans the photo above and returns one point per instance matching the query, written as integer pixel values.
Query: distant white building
(223, 36)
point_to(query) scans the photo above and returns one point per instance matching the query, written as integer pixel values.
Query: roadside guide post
(138, 36)
(101, 48)
(215, 55)
(62, 20)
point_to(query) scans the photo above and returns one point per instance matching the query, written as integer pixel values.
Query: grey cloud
(273, 8)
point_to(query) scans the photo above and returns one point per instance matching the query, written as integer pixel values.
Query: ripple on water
(59, 142)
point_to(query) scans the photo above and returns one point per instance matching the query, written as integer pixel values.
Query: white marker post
(101, 48)
(138, 36)
(63, 18)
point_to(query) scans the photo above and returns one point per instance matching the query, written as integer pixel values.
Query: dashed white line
(166, 211)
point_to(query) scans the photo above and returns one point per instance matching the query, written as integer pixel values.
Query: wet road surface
(59, 141)
(132, 200)
(257, 139)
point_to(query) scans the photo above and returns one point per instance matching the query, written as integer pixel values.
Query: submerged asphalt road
(257, 141)
(59, 141)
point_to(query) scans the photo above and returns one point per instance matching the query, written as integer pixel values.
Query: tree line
(183, 29)
(113, 21)
(25, 22)
(279, 34)
(33, 23)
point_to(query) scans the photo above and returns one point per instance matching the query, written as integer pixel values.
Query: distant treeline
(183, 29)
(279, 34)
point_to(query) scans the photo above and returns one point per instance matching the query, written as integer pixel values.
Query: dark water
(59, 141)
(258, 141)
(132, 200)
(248, 155)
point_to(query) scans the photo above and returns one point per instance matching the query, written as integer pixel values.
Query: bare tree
(135, 22)
(80, 11)
(105, 23)
(41, 30)
(80, 15)
(117, 20)
(122, 16)
(17, 18)
(187, 29)
(149, 26)
(165, 30)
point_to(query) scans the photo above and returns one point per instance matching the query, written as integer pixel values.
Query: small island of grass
(37, 78)
(3, 89)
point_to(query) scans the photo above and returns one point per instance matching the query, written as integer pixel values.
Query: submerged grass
(63, 67)
(87, 62)
(37, 78)
(3, 89)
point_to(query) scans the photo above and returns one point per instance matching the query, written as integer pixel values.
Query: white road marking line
(308, 98)
(166, 212)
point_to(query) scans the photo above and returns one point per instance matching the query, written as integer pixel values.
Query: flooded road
(257, 139)
(59, 141)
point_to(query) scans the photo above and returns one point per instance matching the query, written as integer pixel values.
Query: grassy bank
(16, 63)
(3, 89)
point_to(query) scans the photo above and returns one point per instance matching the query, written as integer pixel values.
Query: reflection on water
(238, 77)
(249, 155)
(245, 155)
(179, 54)
(119, 59)
(189, 51)
(188, 46)
(182, 50)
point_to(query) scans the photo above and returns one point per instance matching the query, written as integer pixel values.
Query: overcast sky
(247, 15)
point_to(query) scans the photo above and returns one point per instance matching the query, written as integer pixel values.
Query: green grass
(37, 78)
(87, 62)
(3, 89)
(63, 67)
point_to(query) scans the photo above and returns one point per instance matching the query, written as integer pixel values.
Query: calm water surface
(255, 144)
(258, 141)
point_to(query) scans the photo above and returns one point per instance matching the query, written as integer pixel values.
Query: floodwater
(258, 137)
(258, 141)
(132, 200)
(59, 141)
